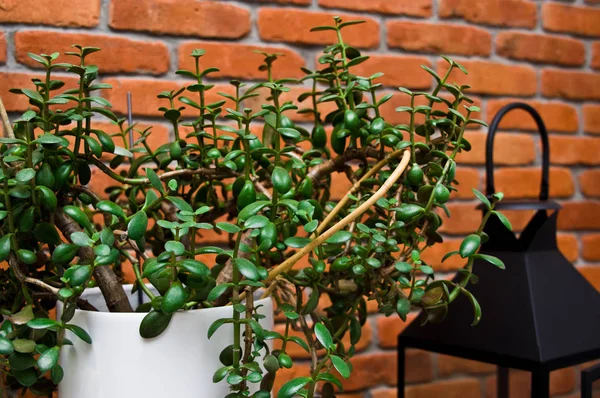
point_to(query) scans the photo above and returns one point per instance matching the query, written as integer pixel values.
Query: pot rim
(129, 287)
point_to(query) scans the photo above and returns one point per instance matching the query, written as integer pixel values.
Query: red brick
(292, 95)
(390, 327)
(524, 183)
(372, 369)
(15, 102)
(589, 183)
(285, 375)
(2, 48)
(51, 12)
(293, 26)
(591, 247)
(591, 118)
(415, 8)
(574, 150)
(576, 216)
(468, 178)
(568, 244)
(241, 60)
(571, 19)
(493, 78)
(118, 54)
(398, 70)
(557, 116)
(592, 274)
(515, 13)
(388, 110)
(570, 85)
(425, 37)
(595, 63)
(182, 17)
(160, 134)
(561, 381)
(465, 219)
(296, 2)
(540, 48)
(509, 149)
(144, 92)
(434, 254)
(448, 365)
(455, 388)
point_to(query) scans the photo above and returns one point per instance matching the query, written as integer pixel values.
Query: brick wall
(545, 53)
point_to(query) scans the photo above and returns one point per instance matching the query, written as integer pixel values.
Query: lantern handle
(489, 147)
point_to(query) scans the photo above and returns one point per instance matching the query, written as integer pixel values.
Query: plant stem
(289, 263)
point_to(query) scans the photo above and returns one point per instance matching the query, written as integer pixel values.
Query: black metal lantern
(539, 314)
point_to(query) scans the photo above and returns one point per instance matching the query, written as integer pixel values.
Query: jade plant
(252, 175)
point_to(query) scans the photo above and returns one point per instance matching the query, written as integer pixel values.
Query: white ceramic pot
(120, 364)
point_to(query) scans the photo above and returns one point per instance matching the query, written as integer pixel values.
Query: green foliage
(268, 193)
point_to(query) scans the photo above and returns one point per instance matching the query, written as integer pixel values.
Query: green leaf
(153, 324)
(256, 221)
(111, 208)
(80, 332)
(57, 373)
(281, 180)
(63, 253)
(403, 267)
(174, 299)
(474, 304)
(78, 215)
(48, 197)
(46, 232)
(247, 268)
(311, 226)
(403, 308)
(216, 292)
(448, 255)
(81, 239)
(26, 377)
(323, 335)
(328, 377)
(23, 316)
(469, 245)
(194, 267)
(152, 265)
(289, 389)
(426, 269)
(228, 227)
(155, 181)
(5, 247)
(297, 242)
(482, 198)
(340, 237)
(136, 228)
(25, 346)
(41, 323)
(180, 203)
(6, 346)
(252, 209)
(48, 359)
(491, 259)
(177, 248)
(78, 274)
(505, 221)
(216, 325)
(25, 175)
(341, 366)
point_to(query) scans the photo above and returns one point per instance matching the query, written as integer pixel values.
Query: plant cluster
(269, 193)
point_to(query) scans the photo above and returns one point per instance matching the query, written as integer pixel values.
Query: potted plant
(268, 191)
